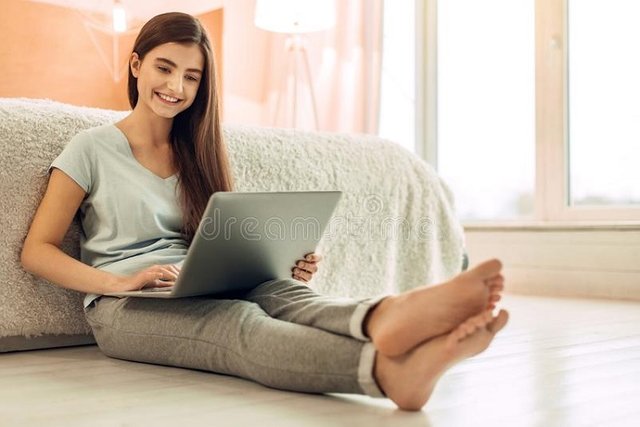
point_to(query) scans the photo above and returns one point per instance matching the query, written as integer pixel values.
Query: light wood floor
(559, 362)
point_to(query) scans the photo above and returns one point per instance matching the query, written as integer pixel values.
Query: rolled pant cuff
(359, 314)
(366, 379)
(366, 366)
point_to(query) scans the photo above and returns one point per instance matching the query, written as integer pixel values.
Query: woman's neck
(146, 128)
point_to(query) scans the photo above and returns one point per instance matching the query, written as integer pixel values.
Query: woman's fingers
(161, 276)
(305, 269)
(313, 257)
(163, 283)
(173, 269)
(301, 275)
(167, 274)
(307, 266)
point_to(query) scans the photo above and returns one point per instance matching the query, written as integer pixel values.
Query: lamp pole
(295, 17)
(296, 53)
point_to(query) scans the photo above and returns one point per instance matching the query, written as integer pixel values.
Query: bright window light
(604, 89)
(486, 106)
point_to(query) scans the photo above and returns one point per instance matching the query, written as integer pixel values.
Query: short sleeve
(75, 160)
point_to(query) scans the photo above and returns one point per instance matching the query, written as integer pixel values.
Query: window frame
(551, 121)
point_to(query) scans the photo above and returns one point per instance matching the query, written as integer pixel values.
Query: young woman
(141, 186)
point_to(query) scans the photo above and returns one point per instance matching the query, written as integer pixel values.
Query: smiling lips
(167, 98)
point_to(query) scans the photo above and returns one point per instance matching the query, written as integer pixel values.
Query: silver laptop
(245, 239)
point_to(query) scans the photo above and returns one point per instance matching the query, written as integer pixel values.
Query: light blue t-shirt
(130, 216)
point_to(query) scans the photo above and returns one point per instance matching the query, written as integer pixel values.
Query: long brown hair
(199, 151)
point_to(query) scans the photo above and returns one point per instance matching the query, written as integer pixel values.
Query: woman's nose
(175, 84)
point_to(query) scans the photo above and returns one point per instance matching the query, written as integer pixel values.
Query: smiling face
(168, 78)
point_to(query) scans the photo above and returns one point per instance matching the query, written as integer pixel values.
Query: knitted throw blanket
(394, 228)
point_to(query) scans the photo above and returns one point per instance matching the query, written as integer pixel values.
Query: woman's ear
(134, 64)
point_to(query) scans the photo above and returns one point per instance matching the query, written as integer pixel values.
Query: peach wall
(46, 52)
(247, 53)
(345, 70)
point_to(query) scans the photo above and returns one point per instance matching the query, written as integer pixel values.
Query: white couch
(393, 230)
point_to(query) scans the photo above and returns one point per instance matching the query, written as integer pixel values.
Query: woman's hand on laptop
(151, 277)
(306, 268)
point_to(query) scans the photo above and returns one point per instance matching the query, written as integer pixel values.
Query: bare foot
(400, 322)
(409, 379)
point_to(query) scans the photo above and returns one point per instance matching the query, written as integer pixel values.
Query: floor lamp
(295, 18)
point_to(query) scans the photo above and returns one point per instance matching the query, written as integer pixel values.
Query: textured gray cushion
(31, 134)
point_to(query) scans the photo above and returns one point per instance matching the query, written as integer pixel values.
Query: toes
(473, 324)
(469, 328)
(464, 330)
(461, 333)
(483, 319)
(455, 336)
(499, 321)
(488, 269)
(479, 321)
(496, 287)
(495, 280)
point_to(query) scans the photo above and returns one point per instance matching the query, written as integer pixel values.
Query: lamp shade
(295, 16)
(119, 17)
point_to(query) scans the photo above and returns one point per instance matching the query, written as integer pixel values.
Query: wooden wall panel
(578, 263)
(46, 52)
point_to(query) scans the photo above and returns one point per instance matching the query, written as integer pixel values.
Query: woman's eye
(163, 69)
(192, 78)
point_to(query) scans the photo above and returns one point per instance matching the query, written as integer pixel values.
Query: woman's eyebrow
(173, 64)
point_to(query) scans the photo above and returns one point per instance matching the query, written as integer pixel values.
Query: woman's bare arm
(41, 253)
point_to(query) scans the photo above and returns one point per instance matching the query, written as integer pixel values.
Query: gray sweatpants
(282, 335)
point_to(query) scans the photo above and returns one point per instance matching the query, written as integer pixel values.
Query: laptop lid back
(245, 239)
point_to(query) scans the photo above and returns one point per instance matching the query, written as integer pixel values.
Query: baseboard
(21, 343)
(571, 263)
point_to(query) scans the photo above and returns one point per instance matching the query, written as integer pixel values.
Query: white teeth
(168, 98)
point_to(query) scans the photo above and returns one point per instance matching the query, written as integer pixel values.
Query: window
(485, 106)
(604, 102)
(531, 111)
